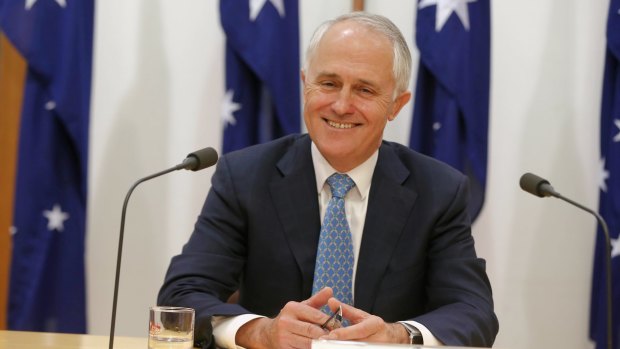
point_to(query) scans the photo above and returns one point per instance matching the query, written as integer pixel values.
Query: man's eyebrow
(325, 74)
(367, 82)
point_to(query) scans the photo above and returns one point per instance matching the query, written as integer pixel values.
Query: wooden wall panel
(12, 73)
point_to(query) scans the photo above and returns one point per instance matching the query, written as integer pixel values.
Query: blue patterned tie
(334, 258)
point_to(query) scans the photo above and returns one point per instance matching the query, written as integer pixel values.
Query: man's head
(355, 80)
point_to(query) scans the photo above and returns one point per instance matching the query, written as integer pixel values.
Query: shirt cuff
(225, 329)
(427, 336)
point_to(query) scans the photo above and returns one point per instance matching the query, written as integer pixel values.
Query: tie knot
(340, 184)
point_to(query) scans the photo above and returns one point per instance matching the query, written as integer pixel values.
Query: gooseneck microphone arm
(195, 161)
(541, 187)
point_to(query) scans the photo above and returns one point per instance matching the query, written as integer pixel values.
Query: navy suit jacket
(259, 228)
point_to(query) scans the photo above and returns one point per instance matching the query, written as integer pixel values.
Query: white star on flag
(617, 137)
(30, 3)
(228, 108)
(615, 247)
(257, 5)
(603, 174)
(445, 9)
(56, 218)
(12, 230)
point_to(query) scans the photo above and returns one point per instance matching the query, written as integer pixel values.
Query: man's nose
(344, 102)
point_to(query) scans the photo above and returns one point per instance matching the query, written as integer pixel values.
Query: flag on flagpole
(451, 108)
(262, 100)
(609, 185)
(47, 281)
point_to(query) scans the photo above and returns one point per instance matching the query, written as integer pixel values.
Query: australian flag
(47, 291)
(262, 99)
(451, 108)
(609, 201)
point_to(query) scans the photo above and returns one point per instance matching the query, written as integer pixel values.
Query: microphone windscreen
(206, 157)
(531, 183)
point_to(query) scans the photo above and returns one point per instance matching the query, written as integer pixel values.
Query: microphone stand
(195, 161)
(541, 187)
(603, 224)
(120, 242)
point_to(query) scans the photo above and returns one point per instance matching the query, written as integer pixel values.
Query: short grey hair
(401, 65)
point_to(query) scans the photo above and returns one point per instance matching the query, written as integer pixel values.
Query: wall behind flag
(158, 87)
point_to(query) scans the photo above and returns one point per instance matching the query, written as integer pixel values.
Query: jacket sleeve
(460, 304)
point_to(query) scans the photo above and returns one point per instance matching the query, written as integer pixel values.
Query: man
(266, 222)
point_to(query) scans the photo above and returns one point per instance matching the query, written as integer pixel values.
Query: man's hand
(295, 326)
(366, 327)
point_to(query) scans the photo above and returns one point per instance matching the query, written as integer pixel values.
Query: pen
(334, 321)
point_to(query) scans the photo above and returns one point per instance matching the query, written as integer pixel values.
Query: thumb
(320, 298)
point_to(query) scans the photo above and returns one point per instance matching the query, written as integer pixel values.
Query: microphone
(195, 161)
(199, 160)
(541, 187)
(535, 185)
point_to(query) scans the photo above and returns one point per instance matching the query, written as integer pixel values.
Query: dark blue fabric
(262, 72)
(47, 281)
(451, 108)
(609, 201)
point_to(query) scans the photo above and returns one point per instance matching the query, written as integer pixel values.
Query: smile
(339, 125)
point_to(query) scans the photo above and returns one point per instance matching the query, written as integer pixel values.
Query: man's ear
(399, 103)
(303, 86)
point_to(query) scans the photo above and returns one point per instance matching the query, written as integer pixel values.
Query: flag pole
(358, 5)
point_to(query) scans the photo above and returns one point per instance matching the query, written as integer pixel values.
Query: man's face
(348, 94)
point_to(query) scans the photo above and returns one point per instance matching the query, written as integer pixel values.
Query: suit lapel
(294, 196)
(389, 207)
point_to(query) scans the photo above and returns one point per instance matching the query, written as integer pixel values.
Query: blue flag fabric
(47, 290)
(451, 108)
(262, 99)
(609, 201)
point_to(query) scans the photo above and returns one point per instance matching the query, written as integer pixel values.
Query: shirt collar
(361, 175)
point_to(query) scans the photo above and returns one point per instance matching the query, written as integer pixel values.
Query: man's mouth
(339, 125)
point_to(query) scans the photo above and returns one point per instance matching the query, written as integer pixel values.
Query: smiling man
(350, 93)
(306, 224)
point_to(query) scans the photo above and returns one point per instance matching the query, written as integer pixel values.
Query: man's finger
(352, 314)
(364, 326)
(306, 315)
(302, 323)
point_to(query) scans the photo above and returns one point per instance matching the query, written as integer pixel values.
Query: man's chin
(339, 159)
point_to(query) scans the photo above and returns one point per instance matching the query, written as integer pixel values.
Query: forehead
(352, 46)
(355, 35)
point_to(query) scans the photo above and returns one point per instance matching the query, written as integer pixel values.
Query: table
(42, 340)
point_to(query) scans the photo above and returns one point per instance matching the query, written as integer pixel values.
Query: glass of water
(171, 328)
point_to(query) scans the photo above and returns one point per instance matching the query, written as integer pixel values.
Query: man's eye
(328, 84)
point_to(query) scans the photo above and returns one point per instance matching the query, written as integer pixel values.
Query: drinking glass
(171, 327)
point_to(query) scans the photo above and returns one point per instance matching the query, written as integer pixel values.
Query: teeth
(339, 125)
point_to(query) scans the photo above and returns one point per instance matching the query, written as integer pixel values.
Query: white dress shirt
(355, 205)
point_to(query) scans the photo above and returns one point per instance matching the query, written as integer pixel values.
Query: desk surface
(42, 340)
